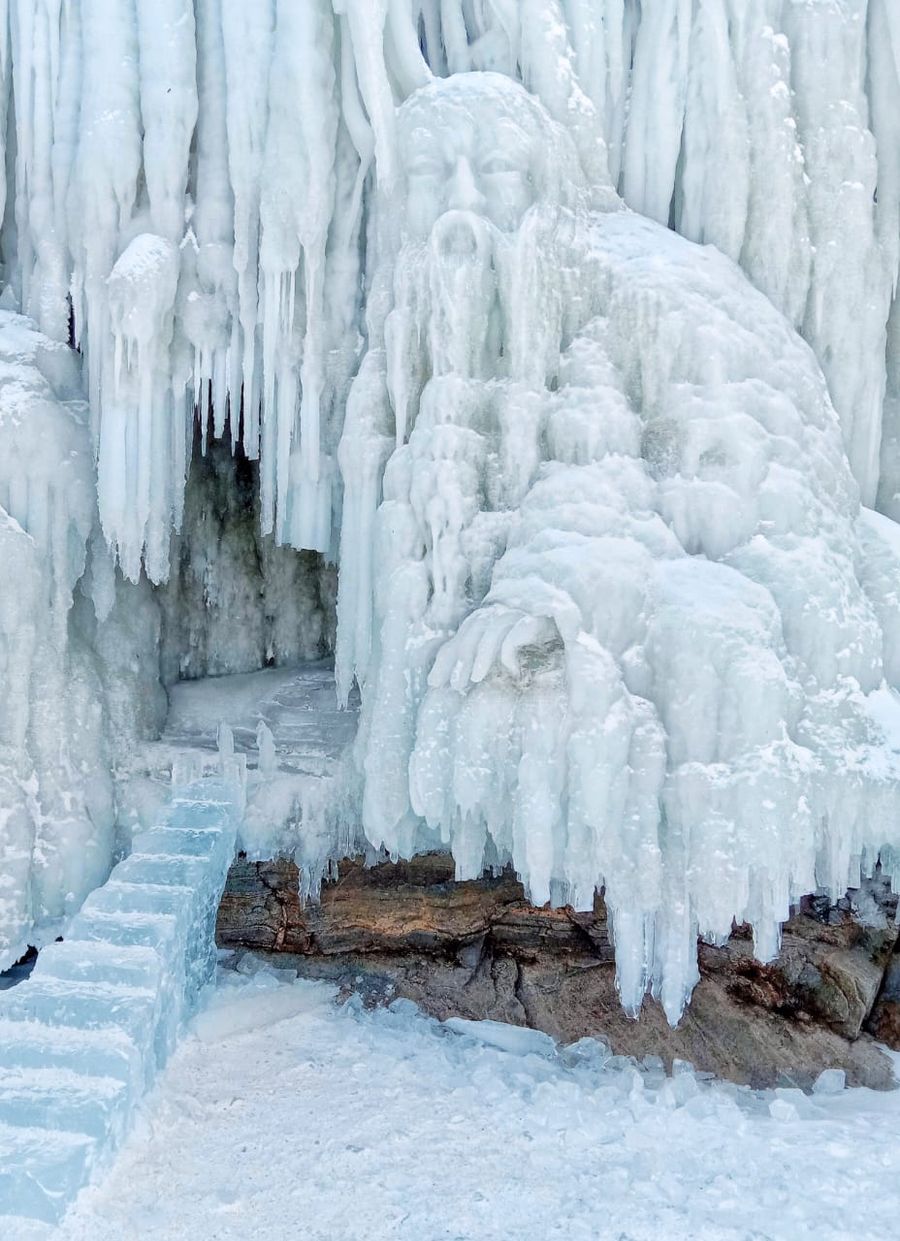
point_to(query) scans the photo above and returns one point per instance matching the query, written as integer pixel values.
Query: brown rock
(884, 1021)
(479, 950)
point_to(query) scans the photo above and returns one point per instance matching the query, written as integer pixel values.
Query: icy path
(293, 745)
(83, 1037)
(345, 1125)
(298, 705)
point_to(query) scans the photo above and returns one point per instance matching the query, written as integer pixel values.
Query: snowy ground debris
(282, 1115)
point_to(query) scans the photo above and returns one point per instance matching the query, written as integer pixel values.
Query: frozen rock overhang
(623, 627)
(595, 501)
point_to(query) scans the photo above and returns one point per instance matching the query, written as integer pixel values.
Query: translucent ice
(604, 582)
(82, 1038)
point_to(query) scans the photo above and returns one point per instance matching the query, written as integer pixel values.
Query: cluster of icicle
(192, 179)
(603, 581)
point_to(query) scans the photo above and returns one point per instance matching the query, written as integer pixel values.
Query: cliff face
(479, 950)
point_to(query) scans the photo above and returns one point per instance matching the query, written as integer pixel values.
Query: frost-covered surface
(195, 174)
(56, 806)
(84, 1036)
(301, 793)
(603, 583)
(613, 621)
(401, 1128)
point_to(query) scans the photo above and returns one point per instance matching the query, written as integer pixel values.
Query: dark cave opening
(235, 601)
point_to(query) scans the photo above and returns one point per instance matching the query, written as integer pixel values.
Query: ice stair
(82, 1039)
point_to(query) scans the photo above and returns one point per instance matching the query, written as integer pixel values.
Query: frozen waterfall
(567, 330)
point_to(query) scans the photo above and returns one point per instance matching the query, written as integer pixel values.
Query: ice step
(138, 898)
(84, 1006)
(162, 869)
(158, 931)
(198, 813)
(98, 961)
(97, 1053)
(61, 1098)
(179, 841)
(42, 1170)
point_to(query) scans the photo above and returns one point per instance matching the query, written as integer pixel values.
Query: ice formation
(56, 797)
(622, 626)
(84, 1036)
(593, 489)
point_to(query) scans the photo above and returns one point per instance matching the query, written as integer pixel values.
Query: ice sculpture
(84, 1036)
(594, 495)
(609, 616)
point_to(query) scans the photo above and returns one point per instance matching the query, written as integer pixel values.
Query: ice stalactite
(255, 140)
(615, 621)
(603, 582)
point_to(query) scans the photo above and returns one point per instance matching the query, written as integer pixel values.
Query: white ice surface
(57, 814)
(281, 1115)
(616, 619)
(210, 262)
(301, 794)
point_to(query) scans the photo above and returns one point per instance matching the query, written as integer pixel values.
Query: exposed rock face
(478, 949)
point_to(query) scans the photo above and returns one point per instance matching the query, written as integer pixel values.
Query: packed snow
(282, 1114)
(566, 330)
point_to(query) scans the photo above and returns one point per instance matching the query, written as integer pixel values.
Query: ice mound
(615, 622)
(56, 809)
(84, 1036)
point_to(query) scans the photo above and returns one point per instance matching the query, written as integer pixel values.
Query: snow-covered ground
(283, 1115)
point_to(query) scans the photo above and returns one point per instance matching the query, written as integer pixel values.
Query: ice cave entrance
(247, 656)
(236, 602)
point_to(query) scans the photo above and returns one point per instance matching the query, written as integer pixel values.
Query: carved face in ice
(474, 144)
(486, 171)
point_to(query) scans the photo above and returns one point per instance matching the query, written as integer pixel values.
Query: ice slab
(60, 1098)
(99, 961)
(103, 1053)
(41, 1170)
(86, 1033)
(517, 1040)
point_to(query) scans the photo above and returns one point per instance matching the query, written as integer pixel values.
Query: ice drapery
(615, 622)
(194, 176)
(602, 578)
(56, 811)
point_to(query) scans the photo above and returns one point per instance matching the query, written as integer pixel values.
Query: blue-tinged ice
(85, 1035)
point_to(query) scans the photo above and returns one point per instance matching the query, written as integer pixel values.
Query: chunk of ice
(517, 1040)
(830, 1081)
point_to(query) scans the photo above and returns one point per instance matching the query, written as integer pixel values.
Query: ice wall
(234, 212)
(56, 808)
(195, 178)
